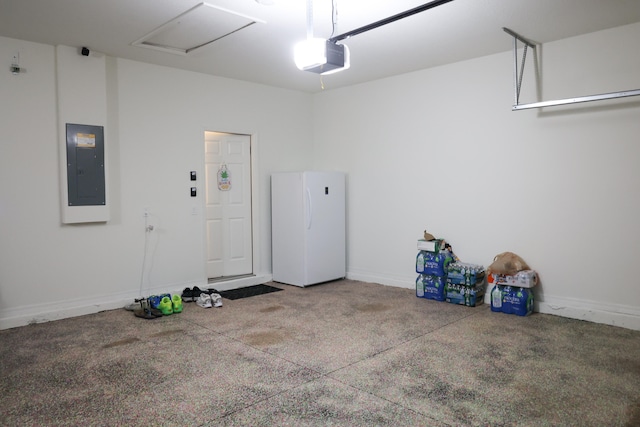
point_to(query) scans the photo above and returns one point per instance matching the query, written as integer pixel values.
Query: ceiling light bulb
(321, 56)
(310, 53)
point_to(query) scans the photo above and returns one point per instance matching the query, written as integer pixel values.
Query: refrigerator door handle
(309, 207)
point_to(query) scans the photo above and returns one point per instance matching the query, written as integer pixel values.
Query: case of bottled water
(462, 273)
(469, 295)
(433, 264)
(430, 287)
(512, 300)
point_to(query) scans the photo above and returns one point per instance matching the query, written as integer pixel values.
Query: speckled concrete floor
(343, 353)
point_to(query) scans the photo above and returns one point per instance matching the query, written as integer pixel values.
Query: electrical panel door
(85, 165)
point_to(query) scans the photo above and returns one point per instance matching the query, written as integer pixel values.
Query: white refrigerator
(308, 227)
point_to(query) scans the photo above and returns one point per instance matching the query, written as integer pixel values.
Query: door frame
(258, 276)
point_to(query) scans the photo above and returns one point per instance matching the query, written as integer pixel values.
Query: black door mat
(249, 291)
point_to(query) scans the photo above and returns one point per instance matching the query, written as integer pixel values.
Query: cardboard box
(430, 287)
(430, 245)
(522, 279)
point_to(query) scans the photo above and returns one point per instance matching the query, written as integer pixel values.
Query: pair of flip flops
(146, 311)
(192, 294)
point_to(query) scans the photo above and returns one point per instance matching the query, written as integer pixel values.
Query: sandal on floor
(145, 314)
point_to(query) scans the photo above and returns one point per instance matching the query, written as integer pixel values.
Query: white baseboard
(620, 315)
(624, 316)
(599, 312)
(56, 310)
(398, 282)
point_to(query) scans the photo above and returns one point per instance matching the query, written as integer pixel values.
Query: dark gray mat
(249, 291)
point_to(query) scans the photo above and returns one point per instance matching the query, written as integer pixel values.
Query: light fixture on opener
(326, 56)
(319, 55)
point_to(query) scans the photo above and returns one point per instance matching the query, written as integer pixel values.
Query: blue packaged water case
(469, 295)
(463, 273)
(515, 300)
(430, 287)
(435, 264)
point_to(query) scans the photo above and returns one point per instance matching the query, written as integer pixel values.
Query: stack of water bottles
(431, 266)
(513, 281)
(513, 293)
(465, 284)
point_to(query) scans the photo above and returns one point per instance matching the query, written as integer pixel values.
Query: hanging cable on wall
(142, 306)
(334, 16)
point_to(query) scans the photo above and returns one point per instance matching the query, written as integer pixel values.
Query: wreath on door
(224, 178)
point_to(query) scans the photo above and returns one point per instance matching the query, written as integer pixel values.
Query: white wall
(441, 149)
(81, 91)
(437, 149)
(156, 122)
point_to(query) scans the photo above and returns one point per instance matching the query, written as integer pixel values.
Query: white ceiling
(263, 52)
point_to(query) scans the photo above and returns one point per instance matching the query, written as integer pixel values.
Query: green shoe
(177, 303)
(165, 306)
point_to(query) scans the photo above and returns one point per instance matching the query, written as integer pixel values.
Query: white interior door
(228, 213)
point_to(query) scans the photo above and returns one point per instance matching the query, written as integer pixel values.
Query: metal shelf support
(518, 81)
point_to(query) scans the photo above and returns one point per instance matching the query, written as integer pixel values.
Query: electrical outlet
(15, 64)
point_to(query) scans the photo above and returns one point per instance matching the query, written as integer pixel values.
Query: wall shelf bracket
(518, 73)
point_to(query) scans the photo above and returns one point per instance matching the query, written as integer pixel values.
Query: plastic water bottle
(419, 287)
(496, 299)
(420, 262)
